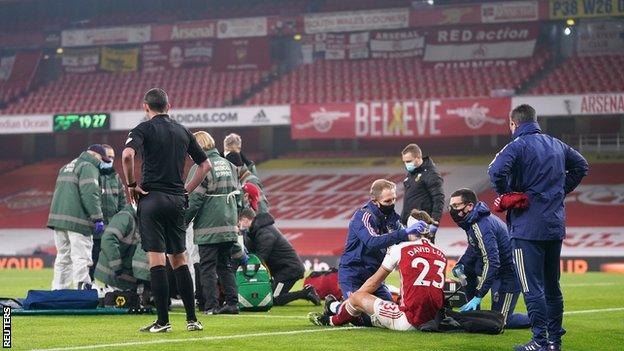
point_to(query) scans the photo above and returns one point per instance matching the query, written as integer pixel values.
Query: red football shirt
(422, 266)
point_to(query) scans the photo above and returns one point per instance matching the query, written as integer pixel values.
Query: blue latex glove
(458, 271)
(471, 305)
(433, 229)
(416, 228)
(99, 227)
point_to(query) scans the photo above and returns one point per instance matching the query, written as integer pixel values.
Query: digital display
(81, 121)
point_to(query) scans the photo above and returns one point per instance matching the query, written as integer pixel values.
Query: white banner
(105, 36)
(405, 43)
(574, 105)
(81, 60)
(339, 46)
(6, 66)
(489, 51)
(356, 21)
(212, 117)
(518, 11)
(242, 27)
(601, 37)
(26, 124)
(481, 42)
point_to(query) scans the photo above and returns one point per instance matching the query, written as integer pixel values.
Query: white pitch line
(206, 338)
(248, 315)
(241, 336)
(597, 310)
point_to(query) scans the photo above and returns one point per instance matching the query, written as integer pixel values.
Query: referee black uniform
(164, 145)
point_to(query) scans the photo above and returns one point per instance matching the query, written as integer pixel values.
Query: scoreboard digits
(81, 121)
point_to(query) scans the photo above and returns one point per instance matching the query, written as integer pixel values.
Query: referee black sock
(185, 289)
(160, 292)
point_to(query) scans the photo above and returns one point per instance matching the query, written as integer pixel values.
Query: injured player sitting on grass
(421, 266)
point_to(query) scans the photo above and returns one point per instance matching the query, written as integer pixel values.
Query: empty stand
(584, 74)
(21, 76)
(328, 81)
(190, 87)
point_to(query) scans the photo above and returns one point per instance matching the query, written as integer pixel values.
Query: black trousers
(215, 263)
(282, 294)
(95, 256)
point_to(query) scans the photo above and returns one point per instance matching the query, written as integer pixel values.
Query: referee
(162, 199)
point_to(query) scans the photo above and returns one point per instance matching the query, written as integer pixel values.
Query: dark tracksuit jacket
(423, 191)
(269, 244)
(546, 169)
(370, 234)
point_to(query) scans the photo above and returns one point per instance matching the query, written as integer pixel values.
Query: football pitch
(594, 319)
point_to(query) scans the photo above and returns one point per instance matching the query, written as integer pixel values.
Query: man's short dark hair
(106, 146)
(467, 195)
(247, 213)
(523, 114)
(412, 149)
(156, 99)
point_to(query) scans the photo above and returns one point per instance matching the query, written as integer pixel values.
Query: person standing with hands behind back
(532, 175)
(162, 198)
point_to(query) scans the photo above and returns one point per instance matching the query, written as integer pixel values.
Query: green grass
(602, 330)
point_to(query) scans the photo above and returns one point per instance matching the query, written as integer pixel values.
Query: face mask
(410, 167)
(386, 209)
(455, 215)
(104, 165)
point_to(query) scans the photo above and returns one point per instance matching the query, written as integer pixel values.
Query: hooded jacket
(269, 244)
(489, 243)
(544, 168)
(119, 243)
(77, 199)
(113, 195)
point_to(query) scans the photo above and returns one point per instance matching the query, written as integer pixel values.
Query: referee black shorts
(161, 222)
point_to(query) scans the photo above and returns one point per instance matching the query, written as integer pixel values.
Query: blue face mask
(410, 167)
(104, 165)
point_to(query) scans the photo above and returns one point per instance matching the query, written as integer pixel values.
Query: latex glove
(99, 227)
(471, 305)
(458, 273)
(433, 229)
(511, 200)
(458, 270)
(416, 228)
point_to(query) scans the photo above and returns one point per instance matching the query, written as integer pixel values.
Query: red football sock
(346, 314)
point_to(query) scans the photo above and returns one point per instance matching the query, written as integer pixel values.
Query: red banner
(441, 15)
(401, 119)
(184, 31)
(238, 54)
(487, 12)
